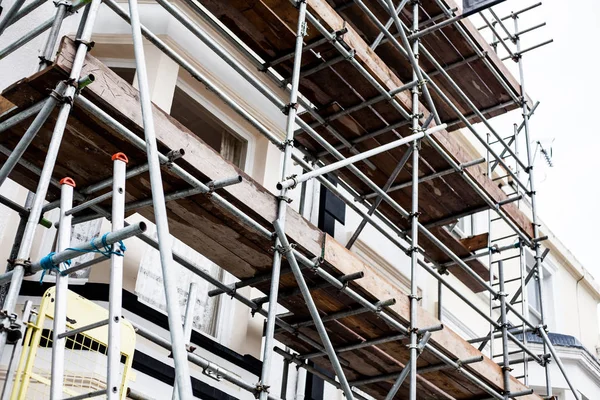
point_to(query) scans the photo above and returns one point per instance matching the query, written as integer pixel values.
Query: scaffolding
(418, 117)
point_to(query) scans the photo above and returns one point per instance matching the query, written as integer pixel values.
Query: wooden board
(209, 227)
(268, 28)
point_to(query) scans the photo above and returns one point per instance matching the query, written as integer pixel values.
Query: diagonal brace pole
(379, 199)
(312, 308)
(407, 367)
(544, 335)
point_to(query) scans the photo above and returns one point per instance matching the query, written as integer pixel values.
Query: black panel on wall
(331, 209)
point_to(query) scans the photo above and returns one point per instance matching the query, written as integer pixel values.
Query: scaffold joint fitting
(286, 109)
(339, 35)
(59, 97)
(26, 264)
(260, 388)
(350, 55)
(89, 44)
(10, 325)
(415, 297)
(285, 198)
(411, 250)
(414, 215)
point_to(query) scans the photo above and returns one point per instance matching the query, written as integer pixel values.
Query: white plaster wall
(244, 335)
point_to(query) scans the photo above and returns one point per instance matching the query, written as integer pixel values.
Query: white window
(471, 225)
(191, 114)
(464, 227)
(535, 302)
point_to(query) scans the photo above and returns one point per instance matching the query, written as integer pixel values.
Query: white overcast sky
(565, 77)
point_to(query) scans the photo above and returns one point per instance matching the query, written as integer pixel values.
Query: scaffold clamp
(26, 264)
(261, 388)
(286, 109)
(10, 325)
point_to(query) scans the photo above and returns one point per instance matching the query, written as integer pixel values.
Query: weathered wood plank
(373, 63)
(205, 225)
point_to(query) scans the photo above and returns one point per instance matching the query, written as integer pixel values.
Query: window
(471, 225)
(128, 74)
(533, 294)
(197, 119)
(534, 300)
(191, 114)
(464, 227)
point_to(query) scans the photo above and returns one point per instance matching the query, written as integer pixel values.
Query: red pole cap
(120, 157)
(67, 181)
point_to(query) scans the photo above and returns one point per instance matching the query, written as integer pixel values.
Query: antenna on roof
(546, 152)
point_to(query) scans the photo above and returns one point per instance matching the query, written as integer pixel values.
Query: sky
(565, 78)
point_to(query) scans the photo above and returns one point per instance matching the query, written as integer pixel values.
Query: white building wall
(236, 328)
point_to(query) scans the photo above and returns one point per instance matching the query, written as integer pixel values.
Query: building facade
(225, 332)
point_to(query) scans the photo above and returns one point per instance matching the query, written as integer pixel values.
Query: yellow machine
(85, 354)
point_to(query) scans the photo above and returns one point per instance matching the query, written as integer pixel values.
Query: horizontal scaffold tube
(292, 182)
(206, 365)
(99, 242)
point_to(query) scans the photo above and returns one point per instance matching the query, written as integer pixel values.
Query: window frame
(228, 123)
(548, 274)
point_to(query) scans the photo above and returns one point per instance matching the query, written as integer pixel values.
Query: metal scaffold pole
(113, 370)
(182, 370)
(415, 112)
(46, 174)
(414, 215)
(538, 268)
(291, 109)
(62, 286)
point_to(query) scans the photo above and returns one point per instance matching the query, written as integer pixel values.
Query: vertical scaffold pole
(165, 241)
(504, 328)
(539, 273)
(414, 235)
(291, 109)
(188, 323)
(160, 212)
(62, 6)
(46, 175)
(11, 376)
(62, 285)
(490, 261)
(113, 370)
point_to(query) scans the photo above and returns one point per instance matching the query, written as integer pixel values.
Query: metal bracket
(416, 297)
(26, 264)
(351, 54)
(89, 44)
(283, 250)
(413, 215)
(44, 60)
(260, 388)
(59, 97)
(304, 28)
(285, 198)
(62, 3)
(443, 270)
(339, 35)
(10, 325)
(288, 142)
(214, 374)
(286, 109)
(411, 250)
